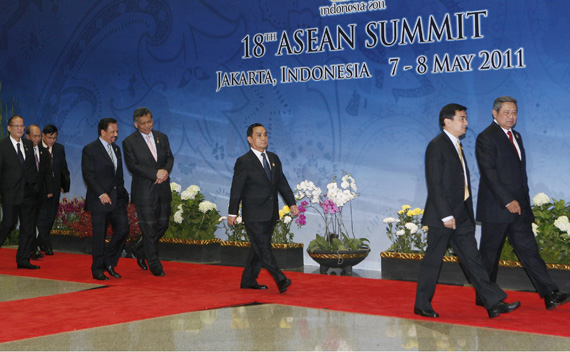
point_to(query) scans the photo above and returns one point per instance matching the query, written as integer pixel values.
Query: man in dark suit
(503, 205)
(55, 154)
(20, 183)
(257, 181)
(107, 198)
(149, 159)
(34, 134)
(449, 215)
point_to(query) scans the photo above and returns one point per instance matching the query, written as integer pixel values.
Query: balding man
(34, 134)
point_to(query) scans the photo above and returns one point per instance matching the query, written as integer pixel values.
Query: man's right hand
(232, 220)
(105, 199)
(161, 176)
(450, 224)
(514, 207)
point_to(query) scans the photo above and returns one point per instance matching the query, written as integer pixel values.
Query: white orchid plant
(330, 207)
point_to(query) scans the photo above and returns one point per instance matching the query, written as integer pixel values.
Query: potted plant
(409, 241)
(72, 229)
(551, 228)
(288, 254)
(406, 231)
(193, 223)
(337, 247)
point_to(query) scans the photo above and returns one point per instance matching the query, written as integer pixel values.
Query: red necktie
(510, 134)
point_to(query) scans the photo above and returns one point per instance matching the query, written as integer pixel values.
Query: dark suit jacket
(503, 176)
(258, 195)
(445, 184)
(100, 177)
(143, 167)
(59, 174)
(14, 176)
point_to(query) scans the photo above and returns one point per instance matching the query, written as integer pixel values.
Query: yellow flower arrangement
(406, 231)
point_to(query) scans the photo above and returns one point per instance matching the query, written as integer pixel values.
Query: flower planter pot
(288, 256)
(68, 241)
(194, 251)
(344, 260)
(511, 275)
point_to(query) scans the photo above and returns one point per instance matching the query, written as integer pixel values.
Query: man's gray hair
(500, 100)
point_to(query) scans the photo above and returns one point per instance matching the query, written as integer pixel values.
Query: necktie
(266, 166)
(112, 155)
(37, 160)
(50, 158)
(460, 152)
(510, 134)
(151, 147)
(20, 155)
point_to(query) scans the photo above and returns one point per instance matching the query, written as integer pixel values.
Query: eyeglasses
(18, 126)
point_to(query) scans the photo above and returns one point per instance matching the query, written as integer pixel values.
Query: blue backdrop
(364, 83)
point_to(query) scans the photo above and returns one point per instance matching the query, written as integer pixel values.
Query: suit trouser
(25, 213)
(464, 244)
(110, 256)
(46, 219)
(153, 221)
(522, 239)
(261, 254)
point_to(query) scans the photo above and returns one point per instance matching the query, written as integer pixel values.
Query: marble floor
(267, 327)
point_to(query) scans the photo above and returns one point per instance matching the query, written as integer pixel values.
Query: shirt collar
(14, 141)
(454, 139)
(104, 142)
(145, 135)
(258, 153)
(504, 130)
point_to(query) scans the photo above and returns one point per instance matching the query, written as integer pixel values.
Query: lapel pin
(273, 164)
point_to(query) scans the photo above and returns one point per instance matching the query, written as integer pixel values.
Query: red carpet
(191, 287)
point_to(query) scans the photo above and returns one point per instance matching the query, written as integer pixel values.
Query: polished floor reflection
(265, 327)
(276, 327)
(17, 287)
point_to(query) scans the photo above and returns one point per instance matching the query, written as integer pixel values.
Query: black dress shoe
(142, 264)
(28, 265)
(283, 285)
(555, 298)
(158, 272)
(49, 251)
(502, 307)
(429, 313)
(112, 272)
(36, 254)
(100, 276)
(255, 287)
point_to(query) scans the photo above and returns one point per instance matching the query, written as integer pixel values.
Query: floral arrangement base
(68, 241)
(288, 256)
(194, 251)
(510, 276)
(344, 260)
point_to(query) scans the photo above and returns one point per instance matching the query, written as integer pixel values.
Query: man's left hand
(294, 210)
